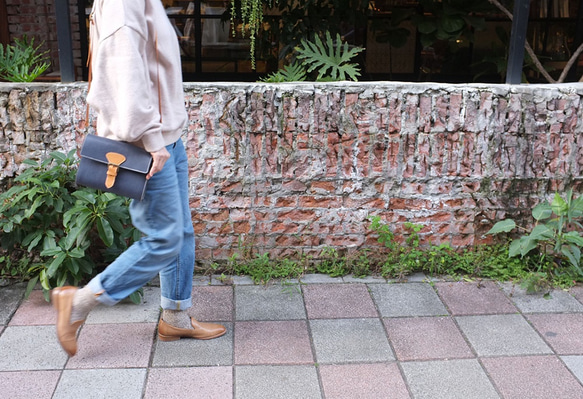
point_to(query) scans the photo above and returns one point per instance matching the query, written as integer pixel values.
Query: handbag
(113, 166)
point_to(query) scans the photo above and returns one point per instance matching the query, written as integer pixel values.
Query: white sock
(177, 318)
(83, 301)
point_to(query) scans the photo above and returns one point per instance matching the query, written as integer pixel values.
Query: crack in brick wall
(294, 168)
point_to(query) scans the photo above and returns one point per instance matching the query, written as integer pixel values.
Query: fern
(333, 56)
(22, 62)
(290, 73)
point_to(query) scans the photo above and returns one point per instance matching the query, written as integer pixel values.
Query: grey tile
(29, 384)
(10, 297)
(105, 383)
(276, 382)
(269, 303)
(533, 377)
(148, 311)
(114, 346)
(410, 299)
(575, 364)
(449, 379)
(364, 280)
(31, 348)
(190, 382)
(498, 335)
(319, 279)
(350, 340)
(194, 352)
(558, 301)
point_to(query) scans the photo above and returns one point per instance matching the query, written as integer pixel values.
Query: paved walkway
(326, 338)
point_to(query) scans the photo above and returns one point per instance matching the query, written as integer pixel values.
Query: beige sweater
(124, 88)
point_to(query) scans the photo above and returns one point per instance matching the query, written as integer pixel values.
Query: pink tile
(272, 342)
(380, 380)
(463, 298)
(562, 331)
(191, 382)
(214, 303)
(533, 377)
(114, 346)
(577, 292)
(425, 338)
(326, 301)
(28, 384)
(34, 311)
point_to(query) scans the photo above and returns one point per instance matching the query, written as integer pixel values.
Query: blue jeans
(167, 245)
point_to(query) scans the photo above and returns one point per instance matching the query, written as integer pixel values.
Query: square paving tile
(195, 352)
(350, 340)
(575, 364)
(327, 301)
(212, 303)
(274, 302)
(464, 298)
(35, 310)
(563, 332)
(448, 379)
(9, 299)
(31, 348)
(498, 335)
(269, 382)
(128, 312)
(533, 377)
(105, 383)
(426, 338)
(407, 300)
(559, 301)
(113, 346)
(376, 380)
(28, 384)
(190, 382)
(272, 342)
(577, 292)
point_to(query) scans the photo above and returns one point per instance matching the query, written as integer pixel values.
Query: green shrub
(22, 62)
(555, 238)
(63, 234)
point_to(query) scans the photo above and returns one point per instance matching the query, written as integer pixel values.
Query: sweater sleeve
(122, 92)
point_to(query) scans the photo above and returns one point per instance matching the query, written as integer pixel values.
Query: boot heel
(167, 338)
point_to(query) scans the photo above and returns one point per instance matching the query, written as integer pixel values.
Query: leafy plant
(332, 263)
(331, 59)
(295, 72)
(556, 232)
(65, 233)
(22, 62)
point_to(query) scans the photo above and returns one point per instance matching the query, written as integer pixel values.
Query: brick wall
(36, 18)
(295, 168)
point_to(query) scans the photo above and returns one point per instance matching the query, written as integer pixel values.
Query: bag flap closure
(136, 159)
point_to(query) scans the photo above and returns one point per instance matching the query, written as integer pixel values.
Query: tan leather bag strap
(90, 75)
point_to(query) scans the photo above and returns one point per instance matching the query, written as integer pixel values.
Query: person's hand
(159, 158)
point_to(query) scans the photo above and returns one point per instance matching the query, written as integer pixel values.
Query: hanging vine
(251, 14)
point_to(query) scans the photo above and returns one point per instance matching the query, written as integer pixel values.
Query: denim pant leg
(176, 278)
(160, 217)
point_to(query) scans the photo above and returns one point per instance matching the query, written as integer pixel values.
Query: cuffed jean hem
(170, 304)
(100, 294)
